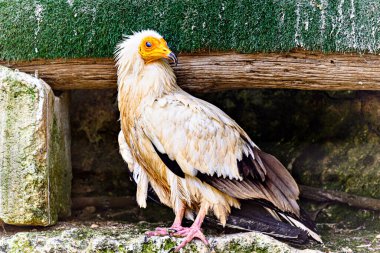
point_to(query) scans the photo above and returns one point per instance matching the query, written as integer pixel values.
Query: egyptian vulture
(195, 157)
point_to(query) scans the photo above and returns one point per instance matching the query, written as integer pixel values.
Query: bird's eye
(148, 44)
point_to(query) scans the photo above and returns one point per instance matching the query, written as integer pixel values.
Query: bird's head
(142, 48)
(153, 48)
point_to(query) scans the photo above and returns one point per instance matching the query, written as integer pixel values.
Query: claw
(190, 234)
(157, 232)
(172, 230)
(164, 231)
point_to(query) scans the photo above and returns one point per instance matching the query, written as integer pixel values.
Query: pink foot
(189, 234)
(165, 231)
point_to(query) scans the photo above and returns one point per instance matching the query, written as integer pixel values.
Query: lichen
(59, 157)
(26, 109)
(123, 238)
(21, 170)
(21, 245)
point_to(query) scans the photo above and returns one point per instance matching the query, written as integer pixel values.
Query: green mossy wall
(78, 28)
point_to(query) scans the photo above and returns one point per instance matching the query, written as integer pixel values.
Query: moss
(166, 244)
(21, 245)
(236, 247)
(122, 249)
(58, 29)
(339, 231)
(19, 97)
(351, 165)
(148, 247)
(59, 163)
(26, 106)
(169, 244)
(123, 238)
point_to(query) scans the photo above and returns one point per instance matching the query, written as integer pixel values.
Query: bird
(194, 157)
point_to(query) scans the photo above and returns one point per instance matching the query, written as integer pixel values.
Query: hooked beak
(172, 57)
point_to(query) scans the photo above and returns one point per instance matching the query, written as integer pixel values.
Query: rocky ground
(126, 237)
(96, 230)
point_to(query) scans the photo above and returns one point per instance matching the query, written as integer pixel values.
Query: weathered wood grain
(329, 196)
(221, 71)
(307, 192)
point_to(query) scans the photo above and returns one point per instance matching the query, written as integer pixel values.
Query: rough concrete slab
(72, 238)
(35, 165)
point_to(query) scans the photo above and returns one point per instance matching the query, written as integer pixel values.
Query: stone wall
(326, 139)
(98, 168)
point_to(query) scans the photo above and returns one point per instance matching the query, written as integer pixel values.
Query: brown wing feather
(276, 186)
(279, 174)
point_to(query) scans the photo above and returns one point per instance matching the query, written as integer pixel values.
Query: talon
(190, 234)
(163, 231)
(172, 230)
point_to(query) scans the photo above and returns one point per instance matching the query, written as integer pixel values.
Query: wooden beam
(321, 195)
(221, 71)
(307, 192)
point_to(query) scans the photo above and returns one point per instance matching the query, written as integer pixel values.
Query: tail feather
(254, 216)
(262, 216)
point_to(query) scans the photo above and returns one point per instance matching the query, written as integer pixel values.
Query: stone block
(35, 163)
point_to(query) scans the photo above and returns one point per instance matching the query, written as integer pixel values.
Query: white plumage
(195, 157)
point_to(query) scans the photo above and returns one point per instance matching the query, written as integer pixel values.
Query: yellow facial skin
(152, 49)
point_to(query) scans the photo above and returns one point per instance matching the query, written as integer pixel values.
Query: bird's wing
(195, 138)
(138, 174)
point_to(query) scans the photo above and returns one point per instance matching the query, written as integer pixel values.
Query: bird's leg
(177, 223)
(175, 227)
(194, 231)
